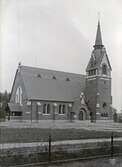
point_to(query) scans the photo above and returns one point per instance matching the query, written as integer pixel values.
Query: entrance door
(82, 114)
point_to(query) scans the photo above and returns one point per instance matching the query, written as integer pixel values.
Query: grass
(11, 135)
(100, 162)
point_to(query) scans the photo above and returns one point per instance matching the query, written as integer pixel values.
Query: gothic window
(92, 63)
(92, 72)
(89, 73)
(104, 69)
(105, 114)
(18, 98)
(61, 109)
(46, 109)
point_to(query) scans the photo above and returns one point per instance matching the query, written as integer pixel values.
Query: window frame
(62, 109)
(104, 69)
(18, 96)
(46, 109)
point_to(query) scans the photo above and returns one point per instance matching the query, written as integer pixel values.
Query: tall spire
(98, 41)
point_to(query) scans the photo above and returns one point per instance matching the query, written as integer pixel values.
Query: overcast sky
(59, 35)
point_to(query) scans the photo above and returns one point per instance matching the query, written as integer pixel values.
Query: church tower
(98, 81)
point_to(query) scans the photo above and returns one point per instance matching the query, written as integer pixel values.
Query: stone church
(39, 94)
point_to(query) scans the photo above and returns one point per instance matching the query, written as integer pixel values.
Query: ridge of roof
(50, 70)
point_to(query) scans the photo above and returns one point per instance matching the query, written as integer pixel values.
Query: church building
(39, 94)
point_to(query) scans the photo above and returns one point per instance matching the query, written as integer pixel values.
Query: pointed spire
(98, 42)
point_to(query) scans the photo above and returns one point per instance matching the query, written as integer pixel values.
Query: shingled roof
(96, 58)
(41, 85)
(98, 41)
(98, 52)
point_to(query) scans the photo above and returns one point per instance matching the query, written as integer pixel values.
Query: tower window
(104, 69)
(92, 63)
(105, 114)
(92, 72)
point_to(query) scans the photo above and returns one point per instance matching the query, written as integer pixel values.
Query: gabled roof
(49, 89)
(96, 59)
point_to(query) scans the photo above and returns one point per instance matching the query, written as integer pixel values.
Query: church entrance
(82, 114)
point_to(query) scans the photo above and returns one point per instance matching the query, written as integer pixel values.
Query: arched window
(104, 69)
(61, 109)
(105, 114)
(46, 109)
(92, 63)
(18, 98)
(92, 72)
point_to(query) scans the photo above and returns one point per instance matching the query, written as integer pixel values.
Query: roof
(98, 52)
(98, 41)
(50, 85)
(96, 59)
(14, 107)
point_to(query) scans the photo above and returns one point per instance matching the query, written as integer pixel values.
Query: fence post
(49, 149)
(112, 147)
(112, 160)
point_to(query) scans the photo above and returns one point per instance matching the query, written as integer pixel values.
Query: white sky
(59, 35)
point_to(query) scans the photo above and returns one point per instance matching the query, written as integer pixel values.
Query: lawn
(11, 135)
(103, 162)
